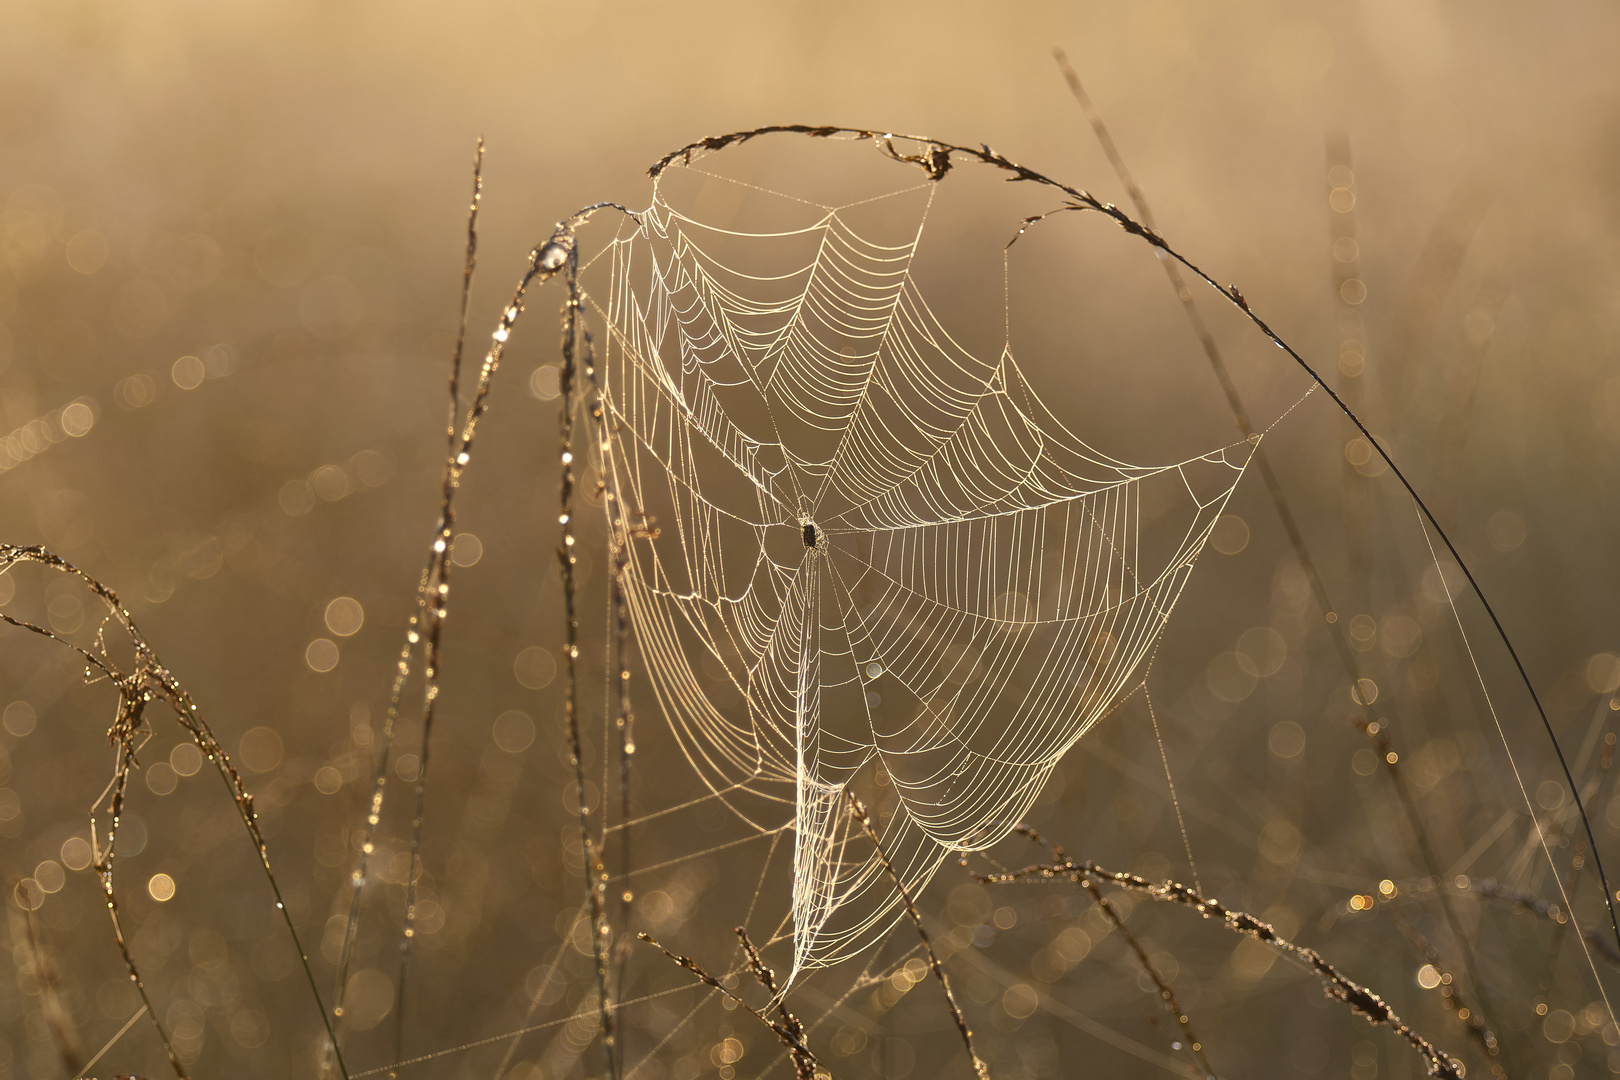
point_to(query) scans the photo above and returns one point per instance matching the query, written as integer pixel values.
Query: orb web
(910, 578)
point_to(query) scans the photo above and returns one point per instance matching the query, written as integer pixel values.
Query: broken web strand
(935, 158)
(1164, 759)
(681, 293)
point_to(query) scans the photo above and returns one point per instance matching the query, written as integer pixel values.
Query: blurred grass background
(229, 244)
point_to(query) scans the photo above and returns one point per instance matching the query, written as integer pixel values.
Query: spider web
(860, 557)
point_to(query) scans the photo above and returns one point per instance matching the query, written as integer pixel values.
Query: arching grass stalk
(1366, 720)
(936, 158)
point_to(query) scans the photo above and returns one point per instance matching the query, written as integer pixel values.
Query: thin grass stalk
(804, 1063)
(594, 870)
(402, 669)
(1473, 1022)
(52, 1010)
(438, 593)
(858, 810)
(457, 456)
(1167, 996)
(624, 525)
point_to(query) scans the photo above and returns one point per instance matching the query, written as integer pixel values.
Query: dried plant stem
(595, 871)
(936, 158)
(150, 681)
(624, 526)
(1470, 1017)
(102, 863)
(1360, 999)
(858, 809)
(1167, 996)
(56, 1015)
(790, 1032)
(437, 594)
(1490, 889)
